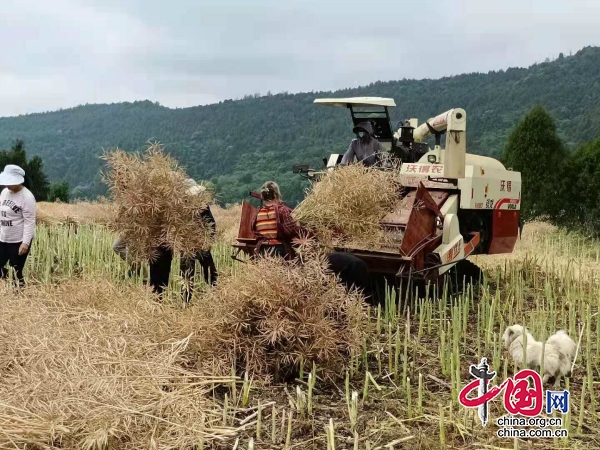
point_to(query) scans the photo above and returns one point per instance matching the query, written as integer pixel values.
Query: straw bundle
(82, 366)
(153, 207)
(348, 203)
(273, 314)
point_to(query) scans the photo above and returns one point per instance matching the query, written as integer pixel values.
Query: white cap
(12, 176)
(193, 187)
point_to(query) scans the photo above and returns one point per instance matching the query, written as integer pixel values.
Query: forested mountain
(240, 144)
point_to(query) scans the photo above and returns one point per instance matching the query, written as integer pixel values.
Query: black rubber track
(456, 280)
(462, 274)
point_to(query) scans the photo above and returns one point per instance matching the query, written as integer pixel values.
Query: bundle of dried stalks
(153, 206)
(81, 213)
(83, 366)
(348, 203)
(273, 314)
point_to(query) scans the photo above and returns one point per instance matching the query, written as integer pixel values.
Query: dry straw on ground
(348, 203)
(80, 213)
(273, 314)
(152, 205)
(87, 365)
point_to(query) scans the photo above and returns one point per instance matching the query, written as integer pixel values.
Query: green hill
(240, 144)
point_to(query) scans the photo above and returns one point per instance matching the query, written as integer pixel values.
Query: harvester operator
(364, 147)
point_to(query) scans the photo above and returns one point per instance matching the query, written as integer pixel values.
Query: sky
(63, 53)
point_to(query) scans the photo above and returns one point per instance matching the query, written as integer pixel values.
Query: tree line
(559, 186)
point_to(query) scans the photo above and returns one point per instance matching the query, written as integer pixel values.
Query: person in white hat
(160, 268)
(17, 221)
(187, 266)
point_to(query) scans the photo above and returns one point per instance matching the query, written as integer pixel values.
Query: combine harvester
(454, 204)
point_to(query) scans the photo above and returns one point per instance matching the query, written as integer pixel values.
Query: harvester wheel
(462, 274)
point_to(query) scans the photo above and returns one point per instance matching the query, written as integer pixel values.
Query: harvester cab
(400, 145)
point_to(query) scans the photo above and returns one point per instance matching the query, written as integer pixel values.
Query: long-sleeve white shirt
(17, 216)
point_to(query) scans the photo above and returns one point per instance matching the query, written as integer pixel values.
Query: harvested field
(74, 213)
(88, 365)
(228, 222)
(88, 359)
(101, 213)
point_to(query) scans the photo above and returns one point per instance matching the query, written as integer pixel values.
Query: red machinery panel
(245, 232)
(505, 231)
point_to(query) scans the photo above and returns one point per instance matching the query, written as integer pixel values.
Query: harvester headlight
(431, 159)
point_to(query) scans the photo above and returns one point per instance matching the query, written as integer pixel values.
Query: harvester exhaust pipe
(454, 123)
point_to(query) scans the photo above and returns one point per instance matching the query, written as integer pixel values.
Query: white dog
(566, 348)
(559, 352)
(513, 338)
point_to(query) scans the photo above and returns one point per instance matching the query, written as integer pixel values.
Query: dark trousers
(187, 269)
(9, 253)
(352, 271)
(160, 270)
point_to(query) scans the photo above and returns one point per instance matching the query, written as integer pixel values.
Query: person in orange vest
(274, 226)
(275, 229)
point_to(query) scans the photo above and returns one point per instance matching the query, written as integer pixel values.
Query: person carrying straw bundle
(160, 212)
(17, 222)
(204, 257)
(160, 268)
